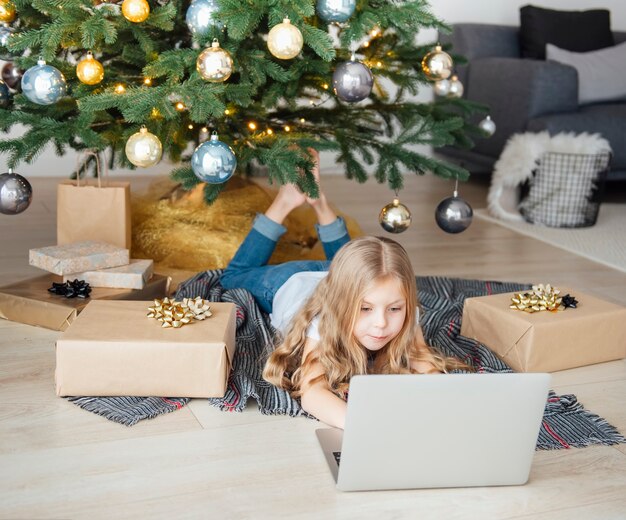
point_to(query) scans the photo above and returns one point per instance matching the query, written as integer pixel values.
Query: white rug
(604, 243)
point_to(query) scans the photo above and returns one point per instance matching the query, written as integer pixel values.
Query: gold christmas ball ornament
(144, 149)
(437, 64)
(285, 40)
(136, 11)
(89, 70)
(395, 217)
(214, 64)
(7, 11)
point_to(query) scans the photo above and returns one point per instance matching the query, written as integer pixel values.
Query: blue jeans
(249, 270)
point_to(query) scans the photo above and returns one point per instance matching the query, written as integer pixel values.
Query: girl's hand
(316, 397)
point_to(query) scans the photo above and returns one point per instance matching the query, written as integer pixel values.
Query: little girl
(355, 313)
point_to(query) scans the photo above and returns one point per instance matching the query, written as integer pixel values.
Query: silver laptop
(435, 431)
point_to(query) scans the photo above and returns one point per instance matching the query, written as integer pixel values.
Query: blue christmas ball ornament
(335, 10)
(200, 17)
(44, 84)
(5, 95)
(213, 161)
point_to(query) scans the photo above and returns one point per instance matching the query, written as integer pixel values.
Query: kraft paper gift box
(132, 276)
(30, 302)
(546, 341)
(78, 257)
(114, 349)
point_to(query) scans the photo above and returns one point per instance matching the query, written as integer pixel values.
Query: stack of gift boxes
(97, 263)
(108, 269)
(121, 335)
(111, 344)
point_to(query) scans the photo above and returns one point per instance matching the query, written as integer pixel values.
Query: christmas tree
(264, 79)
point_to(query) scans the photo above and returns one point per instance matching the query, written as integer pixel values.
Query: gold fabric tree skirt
(178, 230)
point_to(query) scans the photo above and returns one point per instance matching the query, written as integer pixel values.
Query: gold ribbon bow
(174, 314)
(540, 298)
(199, 307)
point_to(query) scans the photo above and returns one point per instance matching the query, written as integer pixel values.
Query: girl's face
(381, 315)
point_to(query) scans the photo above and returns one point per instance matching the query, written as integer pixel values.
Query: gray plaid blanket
(565, 424)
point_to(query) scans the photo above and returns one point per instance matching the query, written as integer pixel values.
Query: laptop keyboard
(337, 455)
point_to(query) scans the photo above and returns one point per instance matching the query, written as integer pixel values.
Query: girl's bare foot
(289, 197)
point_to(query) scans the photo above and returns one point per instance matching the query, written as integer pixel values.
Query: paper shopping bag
(99, 211)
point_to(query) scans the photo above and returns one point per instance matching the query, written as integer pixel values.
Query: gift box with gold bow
(538, 330)
(161, 348)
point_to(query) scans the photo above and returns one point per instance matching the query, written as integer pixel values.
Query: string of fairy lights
(214, 161)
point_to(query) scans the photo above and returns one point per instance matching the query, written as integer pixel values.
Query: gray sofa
(526, 95)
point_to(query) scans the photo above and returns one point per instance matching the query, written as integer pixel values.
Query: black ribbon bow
(569, 301)
(73, 289)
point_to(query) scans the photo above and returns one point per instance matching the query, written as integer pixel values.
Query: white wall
(507, 11)
(452, 11)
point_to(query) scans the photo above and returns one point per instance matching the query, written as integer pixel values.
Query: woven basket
(565, 190)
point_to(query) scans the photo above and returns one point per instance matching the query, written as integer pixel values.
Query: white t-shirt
(292, 295)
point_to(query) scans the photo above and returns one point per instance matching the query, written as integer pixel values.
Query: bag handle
(84, 154)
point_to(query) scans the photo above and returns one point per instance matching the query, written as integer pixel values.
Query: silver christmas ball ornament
(442, 87)
(437, 64)
(395, 217)
(5, 34)
(143, 148)
(43, 84)
(5, 95)
(454, 214)
(213, 161)
(335, 10)
(456, 88)
(200, 17)
(214, 64)
(16, 193)
(352, 81)
(11, 75)
(488, 126)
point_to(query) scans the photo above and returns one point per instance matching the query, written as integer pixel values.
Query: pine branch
(97, 31)
(163, 17)
(243, 18)
(319, 41)
(212, 191)
(173, 64)
(186, 177)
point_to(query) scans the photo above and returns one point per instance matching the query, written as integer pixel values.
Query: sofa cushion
(518, 90)
(578, 31)
(601, 74)
(605, 119)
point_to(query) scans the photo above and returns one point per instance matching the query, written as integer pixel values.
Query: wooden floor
(57, 461)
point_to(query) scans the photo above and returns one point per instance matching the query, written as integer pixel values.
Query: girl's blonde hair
(337, 301)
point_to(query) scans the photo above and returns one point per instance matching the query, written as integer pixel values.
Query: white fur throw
(521, 156)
